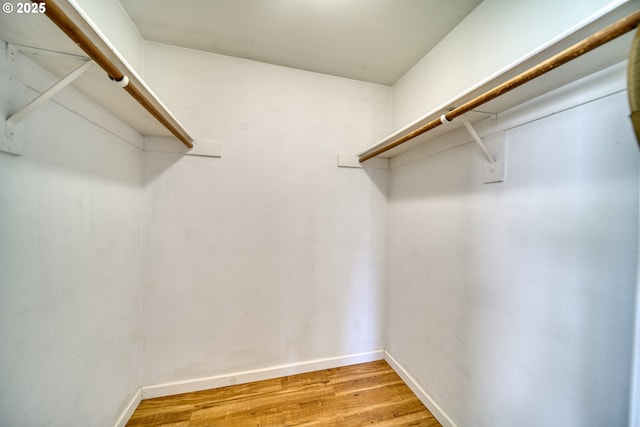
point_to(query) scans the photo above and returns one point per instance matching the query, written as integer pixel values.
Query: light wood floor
(368, 394)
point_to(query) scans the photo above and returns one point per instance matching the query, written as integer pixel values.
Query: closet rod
(69, 19)
(597, 39)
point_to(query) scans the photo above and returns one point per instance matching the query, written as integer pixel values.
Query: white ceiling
(371, 40)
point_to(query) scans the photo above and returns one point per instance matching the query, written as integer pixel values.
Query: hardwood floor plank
(370, 394)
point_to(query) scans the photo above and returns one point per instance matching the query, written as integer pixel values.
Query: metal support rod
(597, 39)
(16, 117)
(478, 141)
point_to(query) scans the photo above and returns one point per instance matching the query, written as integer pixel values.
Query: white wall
(272, 254)
(513, 303)
(70, 212)
(634, 410)
(497, 33)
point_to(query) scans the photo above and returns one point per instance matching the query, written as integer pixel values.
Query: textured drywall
(70, 263)
(513, 303)
(272, 254)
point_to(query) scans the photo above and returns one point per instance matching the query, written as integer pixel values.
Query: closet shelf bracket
(13, 145)
(476, 138)
(494, 168)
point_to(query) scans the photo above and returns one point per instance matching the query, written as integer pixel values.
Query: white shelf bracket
(476, 138)
(10, 144)
(494, 170)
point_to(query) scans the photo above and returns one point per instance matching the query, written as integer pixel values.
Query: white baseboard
(128, 411)
(197, 384)
(424, 397)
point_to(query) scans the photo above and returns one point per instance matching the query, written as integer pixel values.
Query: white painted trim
(38, 79)
(352, 161)
(602, 17)
(205, 148)
(600, 84)
(243, 377)
(128, 411)
(424, 397)
(201, 147)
